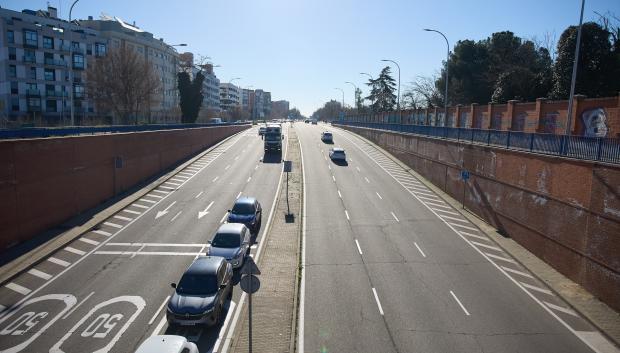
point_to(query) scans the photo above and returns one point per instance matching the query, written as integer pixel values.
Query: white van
(167, 344)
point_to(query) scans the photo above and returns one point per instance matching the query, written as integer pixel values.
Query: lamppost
(354, 95)
(400, 118)
(445, 97)
(341, 90)
(574, 77)
(371, 79)
(71, 63)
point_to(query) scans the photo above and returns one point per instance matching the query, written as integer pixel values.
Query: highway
(107, 290)
(391, 267)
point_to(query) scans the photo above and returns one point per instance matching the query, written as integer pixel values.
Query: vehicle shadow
(341, 163)
(328, 142)
(272, 157)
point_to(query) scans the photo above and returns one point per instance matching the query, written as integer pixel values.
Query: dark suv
(246, 210)
(201, 293)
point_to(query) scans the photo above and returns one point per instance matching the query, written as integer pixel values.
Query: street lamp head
(428, 30)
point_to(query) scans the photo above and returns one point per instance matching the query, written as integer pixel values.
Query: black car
(201, 293)
(246, 210)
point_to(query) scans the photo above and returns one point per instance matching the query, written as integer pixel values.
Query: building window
(78, 91)
(33, 73)
(12, 71)
(15, 104)
(12, 53)
(89, 49)
(48, 42)
(50, 75)
(50, 90)
(32, 87)
(30, 38)
(78, 61)
(29, 56)
(75, 46)
(51, 106)
(34, 104)
(10, 36)
(14, 89)
(100, 49)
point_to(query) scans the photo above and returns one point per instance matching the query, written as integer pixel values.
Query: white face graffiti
(595, 123)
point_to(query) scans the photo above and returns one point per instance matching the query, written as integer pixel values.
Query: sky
(301, 51)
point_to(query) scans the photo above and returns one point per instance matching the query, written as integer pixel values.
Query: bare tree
(423, 93)
(122, 82)
(548, 41)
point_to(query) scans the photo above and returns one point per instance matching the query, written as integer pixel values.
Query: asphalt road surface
(391, 267)
(107, 290)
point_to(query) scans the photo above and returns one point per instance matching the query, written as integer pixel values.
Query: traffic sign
(288, 166)
(249, 284)
(249, 268)
(464, 174)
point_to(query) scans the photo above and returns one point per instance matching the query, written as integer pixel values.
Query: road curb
(597, 313)
(41, 252)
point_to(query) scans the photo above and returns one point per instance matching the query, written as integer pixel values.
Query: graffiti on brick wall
(594, 123)
(550, 122)
(496, 121)
(518, 123)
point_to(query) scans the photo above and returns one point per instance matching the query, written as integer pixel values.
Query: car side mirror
(208, 241)
(173, 285)
(228, 211)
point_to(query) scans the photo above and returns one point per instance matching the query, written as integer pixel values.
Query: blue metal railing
(34, 132)
(580, 147)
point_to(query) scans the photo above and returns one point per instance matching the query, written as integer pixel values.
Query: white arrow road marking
(161, 213)
(205, 211)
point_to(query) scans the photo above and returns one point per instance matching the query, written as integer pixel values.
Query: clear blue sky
(301, 50)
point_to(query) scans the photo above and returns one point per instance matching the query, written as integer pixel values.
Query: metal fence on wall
(580, 147)
(36, 132)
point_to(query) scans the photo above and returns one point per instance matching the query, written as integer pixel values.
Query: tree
(359, 101)
(330, 111)
(190, 92)
(423, 93)
(122, 82)
(598, 69)
(294, 113)
(382, 91)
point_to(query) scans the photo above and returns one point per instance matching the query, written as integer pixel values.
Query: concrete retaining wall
(566, 212)
(44, 182)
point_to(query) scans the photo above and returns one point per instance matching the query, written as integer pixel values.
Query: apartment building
(279, 109)
(210, 89)
(230, 96)
(261, 108)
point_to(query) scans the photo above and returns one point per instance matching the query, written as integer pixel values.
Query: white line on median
(334, 178)
(239, 195)
(140, 206)
(102, 232)
(461, 304)
(130, 211)
(147, 200)
(200, 193)
(215, 179)
(358, 169)
(158, 311)
(419, 249)
(517, 272)
(114, 225)
(347, 214)
(368, 181)
(339, 194)
(59, 262)
(88, 241)
(249, 178)
(560, 308)
(374, 291)
(123, 218)
(224, 218)
(536, 288)
(75, 251)
(381, 198)
(359, 249)
(393, 215)
(329, 166)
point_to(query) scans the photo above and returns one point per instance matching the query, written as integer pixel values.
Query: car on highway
(232, 242)
(246, 210)
(167, 344)
(261, 130)
(200, 295)
(337, 153)
(314, 122)
(327, 137)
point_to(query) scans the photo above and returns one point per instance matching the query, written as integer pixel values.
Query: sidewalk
(274, 305)
(598, 313)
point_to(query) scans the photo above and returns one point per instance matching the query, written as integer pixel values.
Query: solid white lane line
(561, 308)
(110, 224)
(18, 288)
(486, 245)
(368, 181)
(374, 291)
(229, 314)
(215, 179)
(329, 166)
(256, 167)
(474, 236)
(455, 219)
(102, 232)
(58, 262)
(536, 288)
(197, 196)
(40, 274)
(198, 245)
(325, 157)
(175, 216)
(131, 211)
(147, 200)
(75, 251)
(302, 287)
(445, 211)
(334, 178)
(521, 273)
(140, 206)
(339, 194)
(358, 169)
(419, 249)
(249, 178)
(393, 215)
(77, 306)
(226, 168)
(88, 241)
(158, 310)
(461, 226)
(123, 218)
(155, 196)
(148, 253)
(500, 258)
(379, 195)
(162, 191)
(347, 214)
(239, 195)
(224, 218)
(359, 249)
(461, 304)
(159, 326)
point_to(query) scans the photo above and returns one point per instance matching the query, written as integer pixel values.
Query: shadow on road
(341, 163)
(272, 157)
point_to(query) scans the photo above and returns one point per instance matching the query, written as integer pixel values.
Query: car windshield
(196, 284)
(272, 136)
(226, 240)
(243, 209)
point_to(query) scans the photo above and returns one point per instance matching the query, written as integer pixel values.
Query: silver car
(231, 241)
(337, 153)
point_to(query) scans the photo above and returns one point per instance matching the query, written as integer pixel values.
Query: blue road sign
(464, 174)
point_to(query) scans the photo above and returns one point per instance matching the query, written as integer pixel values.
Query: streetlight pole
(354, 95)
(400, 117)
(341, 90)
(445, 97)
(574, 77)
(71, 63)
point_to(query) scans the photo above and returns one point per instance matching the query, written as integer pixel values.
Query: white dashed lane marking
(18, 288)
(88, 241)
(75, 251)
(39, 274)
(59, 262)
(102, 232)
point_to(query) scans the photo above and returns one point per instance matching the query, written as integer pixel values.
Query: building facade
(230, 96)
(210, 89)
(279, 109)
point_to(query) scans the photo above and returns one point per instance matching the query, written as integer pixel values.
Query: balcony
(64, 47)
(55, 94)
(78, 66)
(54, 62)
(29, 59)
(33, 93)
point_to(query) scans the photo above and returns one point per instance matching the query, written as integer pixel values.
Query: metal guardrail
(579, 147)
(38, 132)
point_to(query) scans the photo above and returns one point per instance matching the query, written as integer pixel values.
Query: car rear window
(226, 240)
(243, 208)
